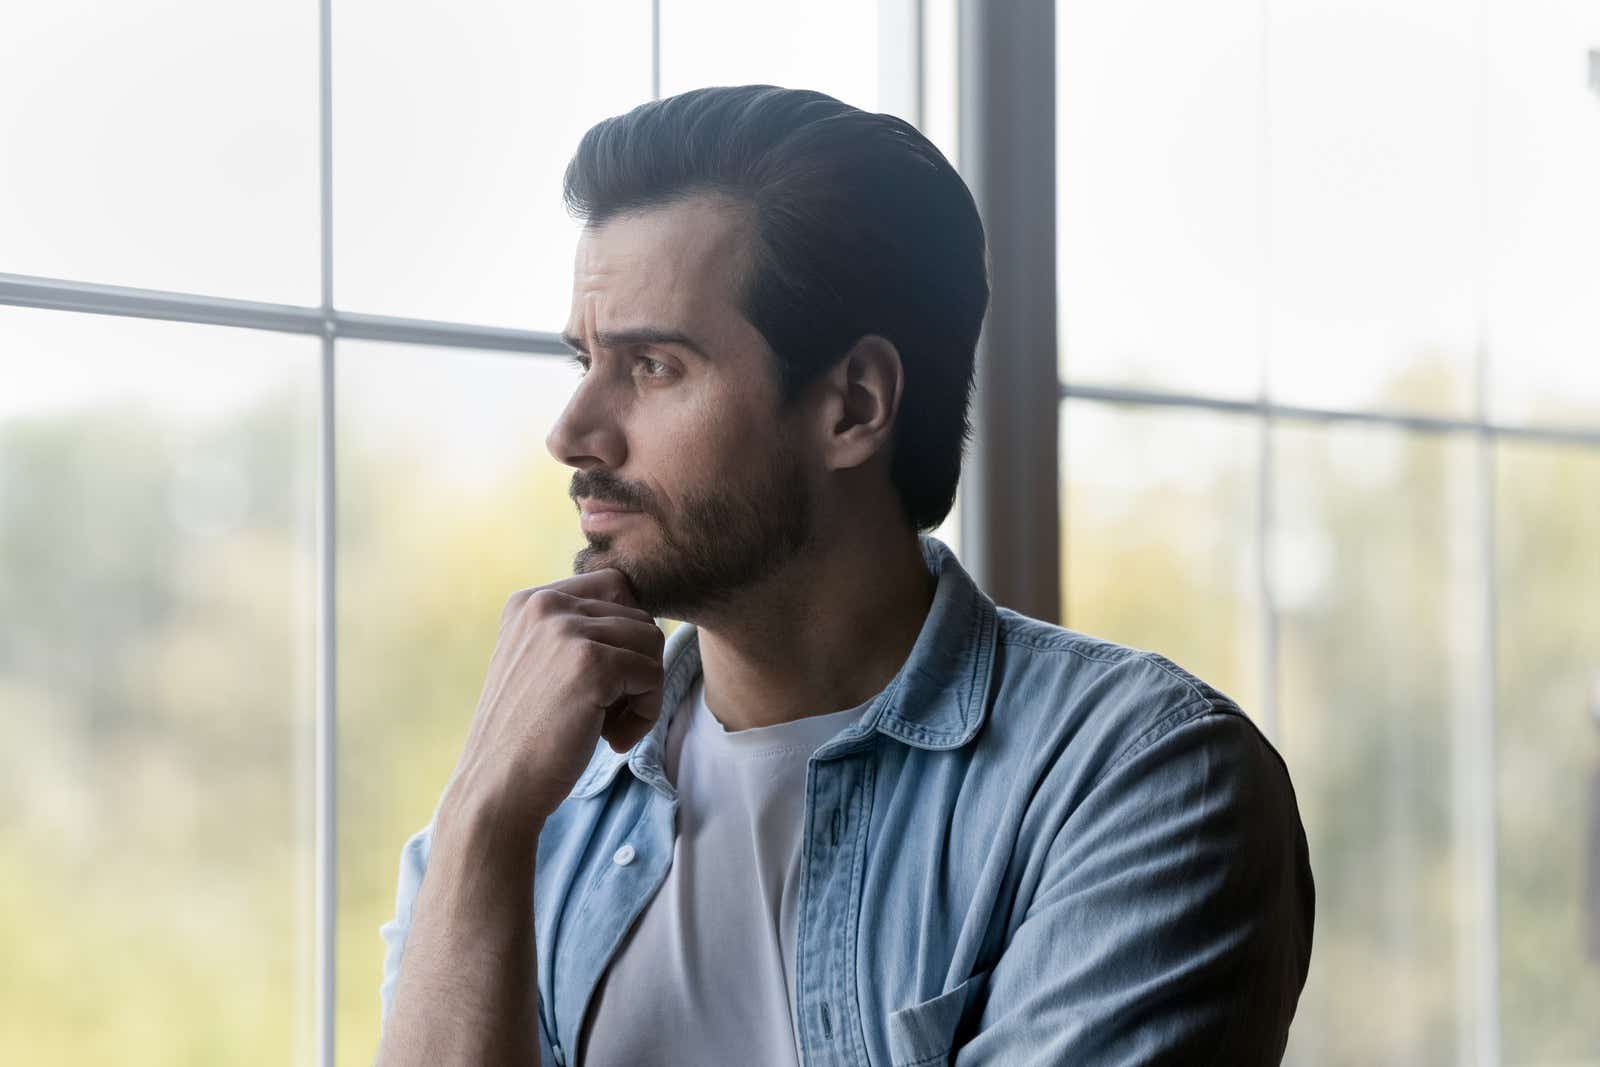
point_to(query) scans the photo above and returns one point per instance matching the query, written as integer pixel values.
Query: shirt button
(561, 1057)
(623, 856)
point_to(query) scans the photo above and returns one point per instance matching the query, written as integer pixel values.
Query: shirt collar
(938, 699)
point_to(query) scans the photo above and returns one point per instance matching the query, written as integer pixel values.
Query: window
(157, 690)
(278, 356)
(1330, 436)
(208, 777)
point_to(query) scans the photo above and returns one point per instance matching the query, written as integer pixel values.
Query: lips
(589, 507)
(596, 517)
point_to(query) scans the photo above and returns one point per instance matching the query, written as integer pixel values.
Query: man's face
(676, 420)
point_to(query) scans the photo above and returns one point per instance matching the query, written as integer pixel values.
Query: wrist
(484, 829)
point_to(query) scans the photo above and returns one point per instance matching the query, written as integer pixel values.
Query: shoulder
(1111, 738)
(1095, 704)
(1079, 658)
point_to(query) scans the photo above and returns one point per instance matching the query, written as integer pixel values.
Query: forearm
(467, 989)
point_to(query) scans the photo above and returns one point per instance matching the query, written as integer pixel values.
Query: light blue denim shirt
(1034, 847)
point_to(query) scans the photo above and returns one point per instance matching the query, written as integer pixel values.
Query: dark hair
(862, 227)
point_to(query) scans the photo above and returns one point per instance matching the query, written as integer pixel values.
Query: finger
(630, 719)
(645, 638)
(607, 583)
(610, 609)
(629, 732)
(626, 673)
(549, 600)
(633, 713)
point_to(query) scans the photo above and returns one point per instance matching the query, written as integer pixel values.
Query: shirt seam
(1146, 656)
(1066, 643)
(1181, 716)
(802, 920)
(857, 881)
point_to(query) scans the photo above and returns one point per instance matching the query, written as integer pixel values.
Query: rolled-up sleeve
(413, 863)
(1172, 921)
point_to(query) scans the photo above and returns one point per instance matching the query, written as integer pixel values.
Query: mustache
(605, 487)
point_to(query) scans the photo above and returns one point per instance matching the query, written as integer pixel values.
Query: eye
(651, 368)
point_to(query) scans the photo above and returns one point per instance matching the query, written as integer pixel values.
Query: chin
(596, 555)
(602, 552)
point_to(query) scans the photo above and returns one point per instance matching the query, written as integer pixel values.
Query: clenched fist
(576, 660)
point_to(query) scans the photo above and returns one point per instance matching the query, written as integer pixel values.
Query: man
(852, 812)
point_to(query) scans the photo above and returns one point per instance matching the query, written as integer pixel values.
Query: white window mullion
(326, 747)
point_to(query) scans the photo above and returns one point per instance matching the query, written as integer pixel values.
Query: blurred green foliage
(157, 692)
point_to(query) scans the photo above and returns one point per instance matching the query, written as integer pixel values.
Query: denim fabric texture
(1034, 847)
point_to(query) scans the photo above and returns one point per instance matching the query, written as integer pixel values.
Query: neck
(827, 633)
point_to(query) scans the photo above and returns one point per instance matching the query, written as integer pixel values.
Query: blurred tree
(154, 704)
(156, 699)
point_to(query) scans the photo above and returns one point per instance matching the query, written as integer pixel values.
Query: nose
(587, 433)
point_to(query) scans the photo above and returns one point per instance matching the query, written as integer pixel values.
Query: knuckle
(544, 601)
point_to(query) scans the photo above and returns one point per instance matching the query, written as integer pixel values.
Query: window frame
(1010, 529)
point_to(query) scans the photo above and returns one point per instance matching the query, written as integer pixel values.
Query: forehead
(678, 265)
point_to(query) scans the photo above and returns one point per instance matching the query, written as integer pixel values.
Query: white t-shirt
(706, 975)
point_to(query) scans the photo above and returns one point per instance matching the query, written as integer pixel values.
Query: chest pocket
(922, 1034)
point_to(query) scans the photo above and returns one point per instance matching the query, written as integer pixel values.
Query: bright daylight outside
(1329, 348)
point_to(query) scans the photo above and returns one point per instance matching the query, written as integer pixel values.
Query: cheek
(683, 448)
(714, 446)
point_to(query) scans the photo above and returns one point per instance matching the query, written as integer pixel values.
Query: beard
(720, 542)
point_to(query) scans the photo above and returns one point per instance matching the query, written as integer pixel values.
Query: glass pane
(1375, 203)
(449, 502)
(166, 146)
(1377, 580)
(827, 45)
(1542, 214)
(940, 89)
(453, 128)
(1436, 204)
(1548, 752)
(1159, 531)
(157, 562)
(949, 531)
(1158, 173)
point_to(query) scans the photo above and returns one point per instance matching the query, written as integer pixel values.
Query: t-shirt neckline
(808, 733)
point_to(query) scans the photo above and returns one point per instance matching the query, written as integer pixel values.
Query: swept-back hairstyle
(861, 227)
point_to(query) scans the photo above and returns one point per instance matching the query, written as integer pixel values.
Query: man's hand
(576, 660)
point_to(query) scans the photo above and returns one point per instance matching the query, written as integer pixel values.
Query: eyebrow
(644, 335)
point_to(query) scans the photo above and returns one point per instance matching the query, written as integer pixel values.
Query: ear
(860, 398)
